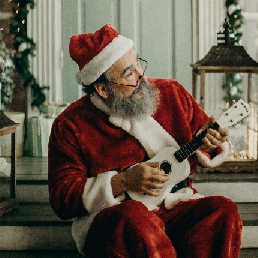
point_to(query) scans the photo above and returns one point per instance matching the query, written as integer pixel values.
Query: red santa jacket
(83, 144)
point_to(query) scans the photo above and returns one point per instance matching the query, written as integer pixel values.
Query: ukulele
(174, 162)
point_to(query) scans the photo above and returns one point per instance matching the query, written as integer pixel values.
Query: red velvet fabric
(83, 143)
(204, 228)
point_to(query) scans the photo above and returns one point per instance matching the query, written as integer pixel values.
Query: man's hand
(143, 178)
(213, 138)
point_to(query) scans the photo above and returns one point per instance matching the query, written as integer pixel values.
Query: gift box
(39, 129)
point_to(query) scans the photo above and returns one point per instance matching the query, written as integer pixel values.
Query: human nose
(139, 71)
(140, 78)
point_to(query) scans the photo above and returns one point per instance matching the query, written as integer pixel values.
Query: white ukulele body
(179, 171)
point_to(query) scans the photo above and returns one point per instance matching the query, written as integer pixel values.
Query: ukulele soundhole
(166, 166)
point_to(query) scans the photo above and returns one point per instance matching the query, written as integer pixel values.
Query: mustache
(139, 88)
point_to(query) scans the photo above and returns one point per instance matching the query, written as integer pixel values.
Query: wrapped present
(39, 129)
(34, 139)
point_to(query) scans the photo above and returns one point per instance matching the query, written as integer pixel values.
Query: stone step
(239, 187)
(35, 226)
(244, 253)
(49, 254)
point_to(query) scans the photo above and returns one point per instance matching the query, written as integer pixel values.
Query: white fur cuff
(98, 194)
(184, 194)
(217, 160)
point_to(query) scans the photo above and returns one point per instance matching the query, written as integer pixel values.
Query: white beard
(133, 106)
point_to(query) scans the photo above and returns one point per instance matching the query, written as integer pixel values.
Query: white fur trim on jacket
(217, 160)
(98, 194)
(181, 195)
(80, 228)
(101, 62)
(154, 138)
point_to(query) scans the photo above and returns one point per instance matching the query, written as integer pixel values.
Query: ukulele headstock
(234, 114)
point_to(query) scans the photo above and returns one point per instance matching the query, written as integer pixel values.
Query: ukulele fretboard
(189, 148)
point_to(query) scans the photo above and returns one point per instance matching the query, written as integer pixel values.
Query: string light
(25, 46)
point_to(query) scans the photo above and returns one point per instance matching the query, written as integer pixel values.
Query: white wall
(160, 29)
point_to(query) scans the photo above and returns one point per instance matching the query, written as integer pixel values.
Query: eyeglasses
(139, 78)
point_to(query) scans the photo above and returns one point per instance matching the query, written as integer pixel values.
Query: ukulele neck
(188, 149)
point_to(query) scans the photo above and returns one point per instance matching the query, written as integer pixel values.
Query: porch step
(239, 187)
(51, 254)
(35, 226)
(244, 253)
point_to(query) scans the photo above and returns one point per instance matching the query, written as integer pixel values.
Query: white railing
(44, 27)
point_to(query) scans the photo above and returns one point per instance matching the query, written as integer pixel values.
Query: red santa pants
(204, 228)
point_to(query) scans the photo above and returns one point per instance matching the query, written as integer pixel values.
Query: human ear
(101, 90)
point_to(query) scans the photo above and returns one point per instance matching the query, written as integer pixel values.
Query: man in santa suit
(102, 151)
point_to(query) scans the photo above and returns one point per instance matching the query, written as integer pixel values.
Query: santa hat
(96, 52)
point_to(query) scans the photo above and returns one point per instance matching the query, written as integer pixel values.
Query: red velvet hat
(96, 52)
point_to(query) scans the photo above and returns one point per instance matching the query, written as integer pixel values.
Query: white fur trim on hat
(101, 62)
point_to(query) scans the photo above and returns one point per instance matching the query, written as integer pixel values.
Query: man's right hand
(144, 177)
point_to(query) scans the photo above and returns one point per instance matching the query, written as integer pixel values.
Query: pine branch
(25, 47)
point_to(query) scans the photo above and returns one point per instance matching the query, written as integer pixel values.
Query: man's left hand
(213, 138)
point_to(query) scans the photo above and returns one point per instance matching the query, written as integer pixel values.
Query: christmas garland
(25, 47)
(6, 69)
(233, 81)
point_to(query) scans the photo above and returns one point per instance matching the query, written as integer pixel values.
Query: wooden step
(239, 187)
(35, 226)
(244, 253)
(45, 254)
